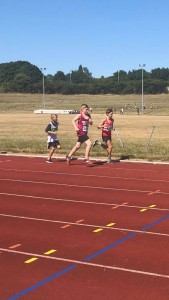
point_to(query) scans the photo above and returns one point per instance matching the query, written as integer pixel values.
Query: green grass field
(22, 131)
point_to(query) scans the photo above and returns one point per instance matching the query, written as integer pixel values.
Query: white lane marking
(87, 263)
(80, 201)
(86, 175)
(83, 225)
(81, 186)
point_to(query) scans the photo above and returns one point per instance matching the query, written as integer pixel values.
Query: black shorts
(83, 138)
(106, 138)
(53, 144)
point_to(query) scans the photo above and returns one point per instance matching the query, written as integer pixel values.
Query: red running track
(78, 232)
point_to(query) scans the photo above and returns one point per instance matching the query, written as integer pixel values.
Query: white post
(142, 79)
(70, 76)
(43, 69)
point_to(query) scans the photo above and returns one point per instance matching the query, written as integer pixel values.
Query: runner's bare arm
(74, 122)
(101, 125)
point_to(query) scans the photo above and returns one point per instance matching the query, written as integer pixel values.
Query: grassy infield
(23, 131)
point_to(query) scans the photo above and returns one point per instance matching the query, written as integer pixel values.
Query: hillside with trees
(23, 77)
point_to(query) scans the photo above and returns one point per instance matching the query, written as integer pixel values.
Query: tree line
(23, 77)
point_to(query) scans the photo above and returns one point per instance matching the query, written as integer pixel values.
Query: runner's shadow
(123, 157)
(101, 163)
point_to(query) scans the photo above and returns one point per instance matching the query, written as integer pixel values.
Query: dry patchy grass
(19, 103)
(24, 132)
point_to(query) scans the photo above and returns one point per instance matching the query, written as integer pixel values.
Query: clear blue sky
(102, 35)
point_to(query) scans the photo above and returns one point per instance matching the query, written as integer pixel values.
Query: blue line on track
(73, 266)
(155, 223)
(40, 283)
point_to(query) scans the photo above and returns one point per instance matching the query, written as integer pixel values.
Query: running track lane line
(93, 226)
(85, 175)
(83, 202)
(80, 186)
(88, 258)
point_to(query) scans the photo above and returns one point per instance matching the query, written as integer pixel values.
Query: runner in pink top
(107, 126)
(81, 124)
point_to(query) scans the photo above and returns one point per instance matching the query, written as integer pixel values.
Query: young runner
(52, 140)
(107, 126)
(81, 124)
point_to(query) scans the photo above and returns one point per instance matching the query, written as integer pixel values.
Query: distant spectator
(121, 110)
(138, 110)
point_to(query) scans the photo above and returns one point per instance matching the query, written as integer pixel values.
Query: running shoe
(96, 142)
(87, 161)
(109, 161)
(49, 161)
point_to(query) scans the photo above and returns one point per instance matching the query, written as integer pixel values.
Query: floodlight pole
(141, 66)
(70, 76)
(43, 69)
(118, 77)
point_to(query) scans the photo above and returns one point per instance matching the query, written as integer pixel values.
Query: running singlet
(52, 136)
(108, 127)
(83, 125)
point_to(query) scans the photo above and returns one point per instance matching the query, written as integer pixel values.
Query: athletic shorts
(106, 138)
(53, 144)
(83, 138)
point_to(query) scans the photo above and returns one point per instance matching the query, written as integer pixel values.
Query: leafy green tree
(59, 76)
(162, 74)
(82, 75)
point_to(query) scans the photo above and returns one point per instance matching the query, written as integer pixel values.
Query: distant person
(107, 126)
(52, 140)
(81, 124)
(121, 111)
(138, 110)
(91, 109)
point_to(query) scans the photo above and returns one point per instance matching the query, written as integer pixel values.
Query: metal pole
(43, 69)
(142, 93)
(43, 91)
(148, 144)
(70, 76)
(142, 80)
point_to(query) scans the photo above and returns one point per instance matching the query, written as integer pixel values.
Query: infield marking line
(119, 205)
(65, 226)
(50, 252)
(145, 209)
(152, 193)
(98, 230)
(80, 221)
(31, 260)
(111, 224)
(15, 246)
